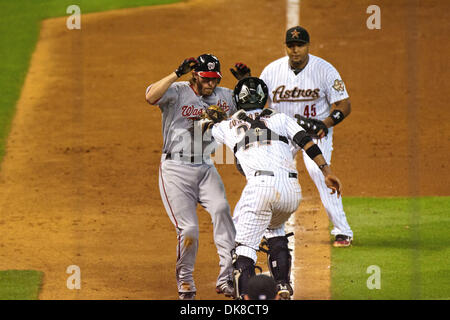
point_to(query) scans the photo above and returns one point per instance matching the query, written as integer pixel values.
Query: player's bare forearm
(331, 180)
(158, 88)
(317, 156)
(343, 106)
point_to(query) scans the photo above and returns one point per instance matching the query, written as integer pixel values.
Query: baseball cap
(262, 287)
(297, 34)
(208, 66)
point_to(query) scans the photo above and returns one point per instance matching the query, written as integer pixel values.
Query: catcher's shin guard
(244, 269)
(279, 258)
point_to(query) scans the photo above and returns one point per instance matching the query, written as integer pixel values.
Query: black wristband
(337, 116)
(313, 151)
(178, 73)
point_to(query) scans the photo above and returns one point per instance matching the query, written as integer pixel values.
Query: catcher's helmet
(250, 93)
(208, 66)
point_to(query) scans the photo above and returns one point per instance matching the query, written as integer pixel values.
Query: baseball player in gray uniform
(186, 175)
(261, 143)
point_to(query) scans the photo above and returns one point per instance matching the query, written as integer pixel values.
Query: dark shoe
(285, 290)
(342, 241)
(226, 288)
(186, 295)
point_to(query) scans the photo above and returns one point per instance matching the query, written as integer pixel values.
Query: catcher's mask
(250, 93)
(208, 66)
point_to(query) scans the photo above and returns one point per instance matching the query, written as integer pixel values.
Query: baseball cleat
(342, 241)
(186, 295)
(284, 291)
(226, 288)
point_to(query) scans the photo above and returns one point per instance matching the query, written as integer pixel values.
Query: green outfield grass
(406, 238)
(19, 31)
(20, 284)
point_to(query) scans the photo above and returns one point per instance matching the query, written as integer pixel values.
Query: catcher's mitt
(214, 113)
(312, 126)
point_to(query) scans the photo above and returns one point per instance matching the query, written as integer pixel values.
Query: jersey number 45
(310, 111)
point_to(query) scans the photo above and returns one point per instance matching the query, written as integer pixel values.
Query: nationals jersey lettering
(274, 156)
(180, 106)
(191, 112)
(224, 105)
(310, 93)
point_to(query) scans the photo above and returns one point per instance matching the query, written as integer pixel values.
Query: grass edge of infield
(20, 284)
(394, 256)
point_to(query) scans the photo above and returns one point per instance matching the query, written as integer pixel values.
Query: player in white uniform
(186, 176)
(307, 87)
(261, 143)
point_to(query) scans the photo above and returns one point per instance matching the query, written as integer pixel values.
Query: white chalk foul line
(292, 20)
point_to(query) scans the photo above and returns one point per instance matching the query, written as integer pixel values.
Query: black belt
(180, 156)
(270, 173)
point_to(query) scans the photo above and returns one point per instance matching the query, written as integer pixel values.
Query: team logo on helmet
(211, 65)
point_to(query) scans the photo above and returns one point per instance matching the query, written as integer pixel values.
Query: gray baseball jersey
(180, 106)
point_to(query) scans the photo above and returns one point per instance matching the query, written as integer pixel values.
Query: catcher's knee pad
(244, 269)
(279, 258)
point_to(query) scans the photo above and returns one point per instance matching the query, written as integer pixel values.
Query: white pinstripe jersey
(272, 156)
(310, 93)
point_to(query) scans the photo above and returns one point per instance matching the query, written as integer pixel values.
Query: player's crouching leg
(279, 261)
(244, 269)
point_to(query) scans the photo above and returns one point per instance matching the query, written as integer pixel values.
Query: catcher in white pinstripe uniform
(261, 141)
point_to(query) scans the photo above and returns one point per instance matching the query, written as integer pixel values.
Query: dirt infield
(79, 183)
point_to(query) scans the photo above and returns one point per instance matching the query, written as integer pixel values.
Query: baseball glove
(312, 126)
(186, 66)
(241, 71)
(214, 113)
